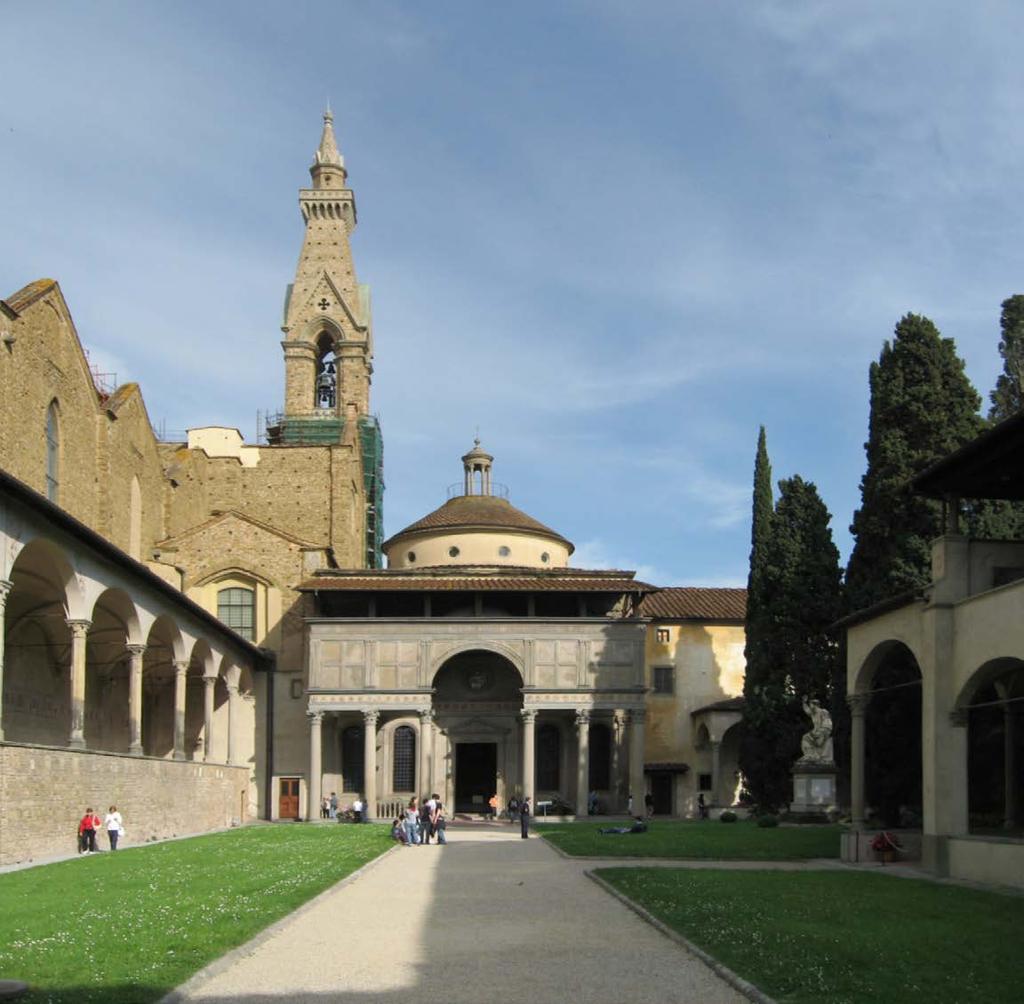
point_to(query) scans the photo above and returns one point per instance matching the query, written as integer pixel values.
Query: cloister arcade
(100, 657)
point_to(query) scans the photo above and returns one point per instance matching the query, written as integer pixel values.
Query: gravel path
(489, 917)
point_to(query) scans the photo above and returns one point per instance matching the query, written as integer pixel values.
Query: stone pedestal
(814, 788)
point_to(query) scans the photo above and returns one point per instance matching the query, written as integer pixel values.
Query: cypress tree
(922, 407)
(1008, 396)
(799, 599)
(759, 695)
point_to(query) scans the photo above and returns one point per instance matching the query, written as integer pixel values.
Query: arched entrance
(477, 699)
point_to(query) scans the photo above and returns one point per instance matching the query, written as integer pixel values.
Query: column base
(135, 749)
(76, 743)
(178, 755)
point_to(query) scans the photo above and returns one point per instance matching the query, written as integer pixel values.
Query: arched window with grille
(600, 757)
(352, 758)
(236, 607)
(53, 453)
(403, 759)
(549, 758)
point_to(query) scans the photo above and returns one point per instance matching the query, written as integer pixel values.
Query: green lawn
(842, 937)
(709, 840)
(125, 928)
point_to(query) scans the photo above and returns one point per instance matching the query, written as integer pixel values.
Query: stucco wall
(477, 548)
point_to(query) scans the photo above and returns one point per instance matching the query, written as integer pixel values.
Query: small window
(703, 782)
(545, 557)
(662, 636)
(236, 607)
(664, 680)
(52, 453)
(504, 551)
(411, 557)
(453, 552)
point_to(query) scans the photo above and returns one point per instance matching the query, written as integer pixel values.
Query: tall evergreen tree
(759, 695)
(795, 658)
(1008, 396)
(922, 407)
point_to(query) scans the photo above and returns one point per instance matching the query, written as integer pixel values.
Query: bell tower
(328, 343)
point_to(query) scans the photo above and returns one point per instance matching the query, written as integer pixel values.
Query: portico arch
(478, 695)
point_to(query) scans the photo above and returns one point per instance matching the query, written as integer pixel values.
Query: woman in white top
(114, 825)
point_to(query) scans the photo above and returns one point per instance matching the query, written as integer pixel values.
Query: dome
(477, 529)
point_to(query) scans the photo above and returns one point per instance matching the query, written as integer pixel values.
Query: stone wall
(44, 792)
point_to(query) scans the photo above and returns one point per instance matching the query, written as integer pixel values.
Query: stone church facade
(215, 612)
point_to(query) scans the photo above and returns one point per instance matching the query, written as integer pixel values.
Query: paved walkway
(489, 917)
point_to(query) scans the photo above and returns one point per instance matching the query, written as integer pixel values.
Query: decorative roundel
(504, 551)
(545, 557)
(411, 557)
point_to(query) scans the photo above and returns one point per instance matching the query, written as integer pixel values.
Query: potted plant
(885, 846)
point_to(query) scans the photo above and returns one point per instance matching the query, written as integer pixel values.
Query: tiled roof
(695, 603)
(473, 512)
(511, 580)
(29, 294)
(729, 704)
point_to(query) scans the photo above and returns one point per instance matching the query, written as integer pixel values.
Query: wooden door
(288, 798)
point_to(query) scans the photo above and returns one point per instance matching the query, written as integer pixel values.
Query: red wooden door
(288, 798)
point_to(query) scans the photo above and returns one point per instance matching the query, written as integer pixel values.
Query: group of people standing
(420, 822)
(90, 823)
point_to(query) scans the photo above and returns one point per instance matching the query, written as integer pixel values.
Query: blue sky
(616, 237)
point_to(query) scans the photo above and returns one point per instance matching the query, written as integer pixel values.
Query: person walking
(114, 825)
(649, 804)
(524, 817)
(426, 820)
(492, 804)
(87, 832)
(438, 822)
(332, 806)
(513, 809)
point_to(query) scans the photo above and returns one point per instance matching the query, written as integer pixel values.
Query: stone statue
(816, 745)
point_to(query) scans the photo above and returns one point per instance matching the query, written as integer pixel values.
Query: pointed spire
(328, 153)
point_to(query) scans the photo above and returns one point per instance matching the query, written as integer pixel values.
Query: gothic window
(236, 607)
(352, 759)
(52, 453)
(403, 773)
(549, 757)
(600, 757)
(326, 391)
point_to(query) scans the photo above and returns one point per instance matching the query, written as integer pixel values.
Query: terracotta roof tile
(729, 704)
(696, 603)
(506, 580)
(477, 512)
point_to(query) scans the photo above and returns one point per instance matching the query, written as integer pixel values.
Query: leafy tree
(922, 407)
(1008, 396)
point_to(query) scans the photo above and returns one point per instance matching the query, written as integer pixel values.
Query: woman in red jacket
(87, 832)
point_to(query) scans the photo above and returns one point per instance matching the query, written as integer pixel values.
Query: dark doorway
(476, 775)
(661, 792)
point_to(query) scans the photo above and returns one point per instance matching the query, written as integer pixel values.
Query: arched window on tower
(549, 757)
(352, 759)
(326, 392)
(53, 453)
(403, 772)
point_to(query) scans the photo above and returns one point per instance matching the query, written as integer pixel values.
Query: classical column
(582, 761)
(637, 785)
(716, 770)
(5, 588)
(209, 694)
(315, 768)
(425, 781)
(79, 633)
(858, 707)
(1009, 768)
(619, 759)
(234, 732)
(135, 654)
(370, 719)
(529, 721)
(180, 683)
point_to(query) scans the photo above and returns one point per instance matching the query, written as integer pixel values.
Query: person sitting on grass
(639, 826)
(398, 832)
